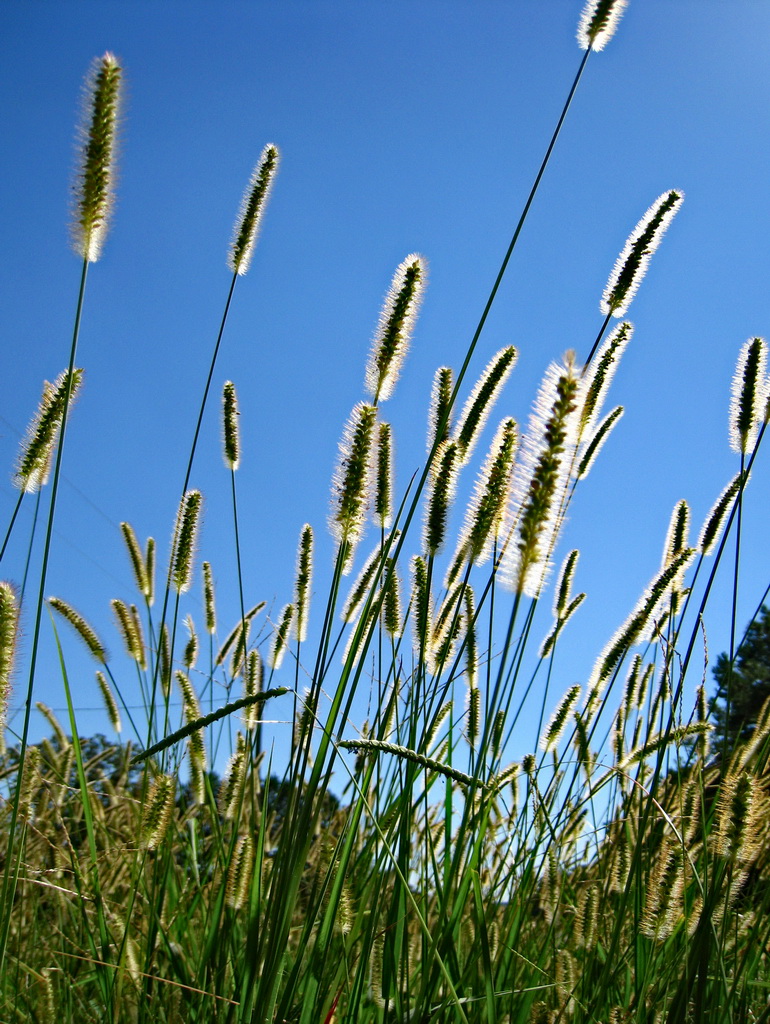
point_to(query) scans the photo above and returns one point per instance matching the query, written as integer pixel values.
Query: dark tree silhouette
(743, 688)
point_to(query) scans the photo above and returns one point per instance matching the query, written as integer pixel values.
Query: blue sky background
(403, 127)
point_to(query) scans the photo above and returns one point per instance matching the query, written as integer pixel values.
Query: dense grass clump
(419, 866)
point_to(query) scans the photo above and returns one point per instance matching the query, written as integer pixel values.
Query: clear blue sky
(403, 127)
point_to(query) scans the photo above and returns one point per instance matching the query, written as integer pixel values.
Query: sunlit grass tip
(351, 484)
(185, 539)
(439, 423)
(9, 624)
(600, 373)
(231, 440)
(590, 448)
(253, 679)
(110, 703)
(208, 599)
(421, 605)
(192, 713)
(676, 539)
(138, 563)
(158, 811)
(481, 400)
(719, 513)
(231, 789)
(252, 209)
(394, 330)
(190, 653)
(741, 808)
(391, 616)
(281, 637)
(303, 580)
(748, 395)
(558, 722)
(598, 23)
(363, 581)
(95, 183)
(631, 266)
(431, 764)
(33, 464)
(564, 605)
(86, 633)
(441, 492)
(383, 489)
(634, 626)
(488, 504)
(541, 476)
(239, 873)
(127, 625)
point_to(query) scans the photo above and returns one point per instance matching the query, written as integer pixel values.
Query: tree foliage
(743, 686)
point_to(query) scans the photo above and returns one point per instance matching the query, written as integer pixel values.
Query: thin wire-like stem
(188, 473)
(9, 878)
(10, 525)
(207, 388)
(733, 614)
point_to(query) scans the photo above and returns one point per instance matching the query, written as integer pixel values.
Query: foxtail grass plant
(437, 860)
(94, 200)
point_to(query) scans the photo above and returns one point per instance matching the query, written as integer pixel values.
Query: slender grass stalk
(94, 201)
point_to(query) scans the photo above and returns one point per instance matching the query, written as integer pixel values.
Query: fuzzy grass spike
(252, 210)
(95, 187)
(397, 320)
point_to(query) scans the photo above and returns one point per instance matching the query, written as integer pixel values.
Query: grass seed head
(351, 484)
(563, 588)
(634, 626)
(208, 599)
(190, 655)
(439, 413)
(303, 580)
(541, 477)
(631, 266)
(9, 627)
(158, 811)
(33, 464)
(481, 400)
(471, 639)
(252, 210)
(231, 439)
(394, 330)
(748, 397)
(231, 789)
(253, 679)
(383, 490)
(149, 561)
(281, 637)
(441, 493)
(474, 715)
(422, 607)
(127, 627)
(136, 557)
(598, 376)
(363, 581)
(598, 23)
(239, 873)
(391, 600)
(185, 538)
(556, 726)
(81, 627)
(715, 520)
(591, 447)
(110, 703)
(484, 516)
(95, 185)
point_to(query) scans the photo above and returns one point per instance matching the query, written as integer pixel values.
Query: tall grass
(416, 866)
